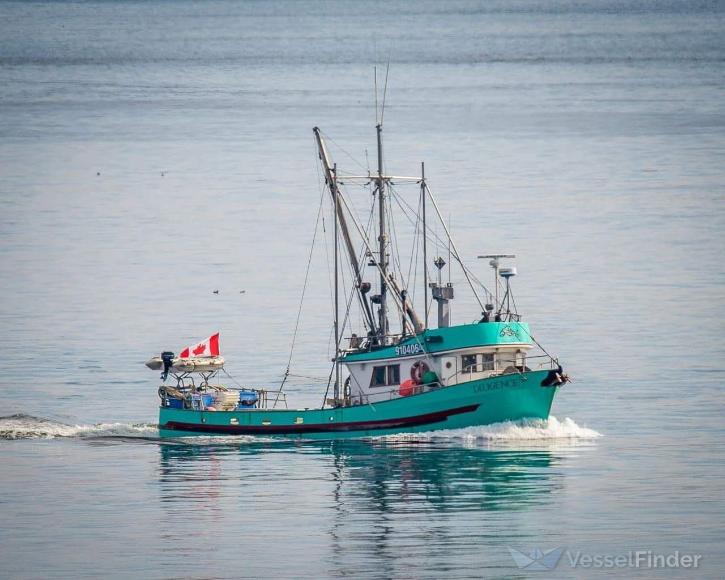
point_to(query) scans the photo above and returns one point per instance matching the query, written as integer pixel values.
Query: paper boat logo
(536, 560)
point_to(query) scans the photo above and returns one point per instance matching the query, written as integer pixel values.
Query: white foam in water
(530, 431)
(28, 427)
(524, 431)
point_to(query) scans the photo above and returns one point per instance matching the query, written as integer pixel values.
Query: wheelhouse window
(469, 363)
(477, 363)
(487, 361)
(384, 376)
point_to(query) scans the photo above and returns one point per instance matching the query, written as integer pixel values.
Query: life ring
(417, 371)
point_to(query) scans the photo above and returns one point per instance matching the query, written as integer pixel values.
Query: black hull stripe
(414, 421)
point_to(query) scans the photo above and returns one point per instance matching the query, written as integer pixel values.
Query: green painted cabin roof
(451, 338)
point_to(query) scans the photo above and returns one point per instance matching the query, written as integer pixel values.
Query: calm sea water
(152, 152)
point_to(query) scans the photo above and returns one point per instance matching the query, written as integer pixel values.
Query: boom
(331, 181)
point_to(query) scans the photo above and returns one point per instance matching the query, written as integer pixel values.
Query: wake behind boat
(418, 378)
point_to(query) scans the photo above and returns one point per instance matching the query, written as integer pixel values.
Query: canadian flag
(208, 347)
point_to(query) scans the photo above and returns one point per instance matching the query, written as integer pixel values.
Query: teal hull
(480, 402)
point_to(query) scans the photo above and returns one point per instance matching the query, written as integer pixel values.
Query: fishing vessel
(399, 372)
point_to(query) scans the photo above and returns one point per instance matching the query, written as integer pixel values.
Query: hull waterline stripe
(414, 421)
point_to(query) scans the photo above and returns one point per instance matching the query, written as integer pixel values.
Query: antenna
(375, 84)
(507, 274)
(449, 248)
(425, 242)
(385, 91)
(495, 264)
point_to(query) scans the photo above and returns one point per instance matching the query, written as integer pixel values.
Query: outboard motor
(166, 357)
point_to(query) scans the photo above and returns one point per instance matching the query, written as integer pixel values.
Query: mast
(363, 287)
(380, 328)
(396, 290)
(383, 311)
(425, 243)
(336, 390)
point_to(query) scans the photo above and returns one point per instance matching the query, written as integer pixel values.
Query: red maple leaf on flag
(209, 347)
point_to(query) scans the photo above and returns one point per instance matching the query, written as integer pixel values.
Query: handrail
(550, 360)
(187, 390)
(422, 388)
(552, 364)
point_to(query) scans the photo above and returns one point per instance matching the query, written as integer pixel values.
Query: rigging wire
(360, 256)
(308, 377)
(401, 203)
(394, 236)
(385, 91)
(302, 298)
(231, 377)
(470, 276)
(361, 251)
(396, 259)
(400, 308)
(489, 296)
(337, 348)
(418, 242)
(327, 258)
(453, 250)
(348, 154)
(409, 210)
(414, 253)
(329, 382)
(349, 299)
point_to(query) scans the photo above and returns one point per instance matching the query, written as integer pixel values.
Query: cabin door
(449, 370)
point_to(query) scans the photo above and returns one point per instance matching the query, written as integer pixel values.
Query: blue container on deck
(175, 403)
(201, 401)
(248, 399)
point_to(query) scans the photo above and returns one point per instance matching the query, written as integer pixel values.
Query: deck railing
(186, 392)
(538, 362)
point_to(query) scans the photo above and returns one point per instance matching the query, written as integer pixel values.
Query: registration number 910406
(407, 349)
